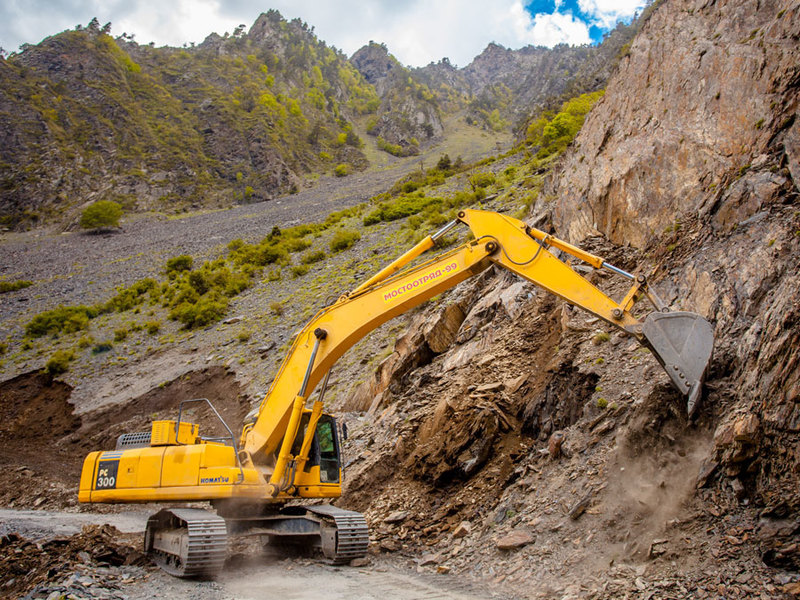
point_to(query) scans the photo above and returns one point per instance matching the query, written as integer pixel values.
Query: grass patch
(13, 286)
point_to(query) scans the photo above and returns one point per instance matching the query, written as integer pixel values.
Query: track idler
(682, 342)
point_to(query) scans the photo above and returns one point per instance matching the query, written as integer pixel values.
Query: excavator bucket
(682, 342)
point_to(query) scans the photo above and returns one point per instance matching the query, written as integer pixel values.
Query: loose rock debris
(90, 564)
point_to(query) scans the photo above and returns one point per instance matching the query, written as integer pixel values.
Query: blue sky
(416, 31)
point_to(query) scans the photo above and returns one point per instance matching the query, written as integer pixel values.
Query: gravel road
(254, 577)
(304, 580)
(45, 524)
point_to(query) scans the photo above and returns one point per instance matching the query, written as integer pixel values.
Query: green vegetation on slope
(238, 118)
(553, 132)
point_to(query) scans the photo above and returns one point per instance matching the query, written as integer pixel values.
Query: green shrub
(204, 311)
(153, 327)
(59, 362)
(128, 298)
(13, 286)
(481, 180)
(120, 334)
(341, 170)
(276, 308)
(105, 213)
(179, 264)
(313, 257)
(299, 270)
(85, 341)
(344, 239)
(102, 347)
(400, 207)
(393, 149)
(3, 348)
(554, 132)
(63, 319)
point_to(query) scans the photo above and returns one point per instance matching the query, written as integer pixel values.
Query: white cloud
(559, 28)
(415, 31)
(606, 13)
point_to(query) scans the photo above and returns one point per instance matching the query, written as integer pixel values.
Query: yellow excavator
(291, 451)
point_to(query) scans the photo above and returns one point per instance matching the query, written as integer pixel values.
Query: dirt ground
(82, 554)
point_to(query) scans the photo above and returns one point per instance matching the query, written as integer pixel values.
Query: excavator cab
(324, 454)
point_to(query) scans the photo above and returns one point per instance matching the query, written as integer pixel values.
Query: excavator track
(345, 534)
(187, 542)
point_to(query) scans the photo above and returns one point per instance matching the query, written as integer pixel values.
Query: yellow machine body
(184, 467)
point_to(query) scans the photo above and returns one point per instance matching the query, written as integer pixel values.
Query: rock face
(408, 114)
(696, 122)
(693, 150)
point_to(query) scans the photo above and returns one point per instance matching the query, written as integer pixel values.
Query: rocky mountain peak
(374, 62)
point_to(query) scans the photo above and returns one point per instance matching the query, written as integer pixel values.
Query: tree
(102, 214)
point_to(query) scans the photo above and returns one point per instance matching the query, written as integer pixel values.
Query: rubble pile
(90, 564)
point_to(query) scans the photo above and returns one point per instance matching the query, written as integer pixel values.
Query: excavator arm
(681, 341)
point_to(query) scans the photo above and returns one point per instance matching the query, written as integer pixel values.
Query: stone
(390, 545)
(486, 388)
(265, 348)
(463, 529)
(233, 320)
(555, 443)
(442, 569)
(515, 539)
(362, 561)
(738, 489)
(746, 429)
(657, 548)
(430, 559)
(580, 506)
(706, 471)
(443, 331)
(397, 516)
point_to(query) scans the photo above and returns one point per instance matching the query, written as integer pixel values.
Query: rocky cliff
(409, 113)
(519, 420)
(692, 157)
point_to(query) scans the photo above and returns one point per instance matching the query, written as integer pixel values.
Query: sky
(416, 31)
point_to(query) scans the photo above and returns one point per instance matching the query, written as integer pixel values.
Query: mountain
(244, 117)
(408, 113)
(85, 117)
(505, 87)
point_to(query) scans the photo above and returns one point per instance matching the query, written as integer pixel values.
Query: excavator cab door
(682, 342)
(324, 451)
(327, 442)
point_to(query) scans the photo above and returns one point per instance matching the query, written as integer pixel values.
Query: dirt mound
(217, 384)
(35, 563)
(35, 417)
(34, 407)
(45, 442)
